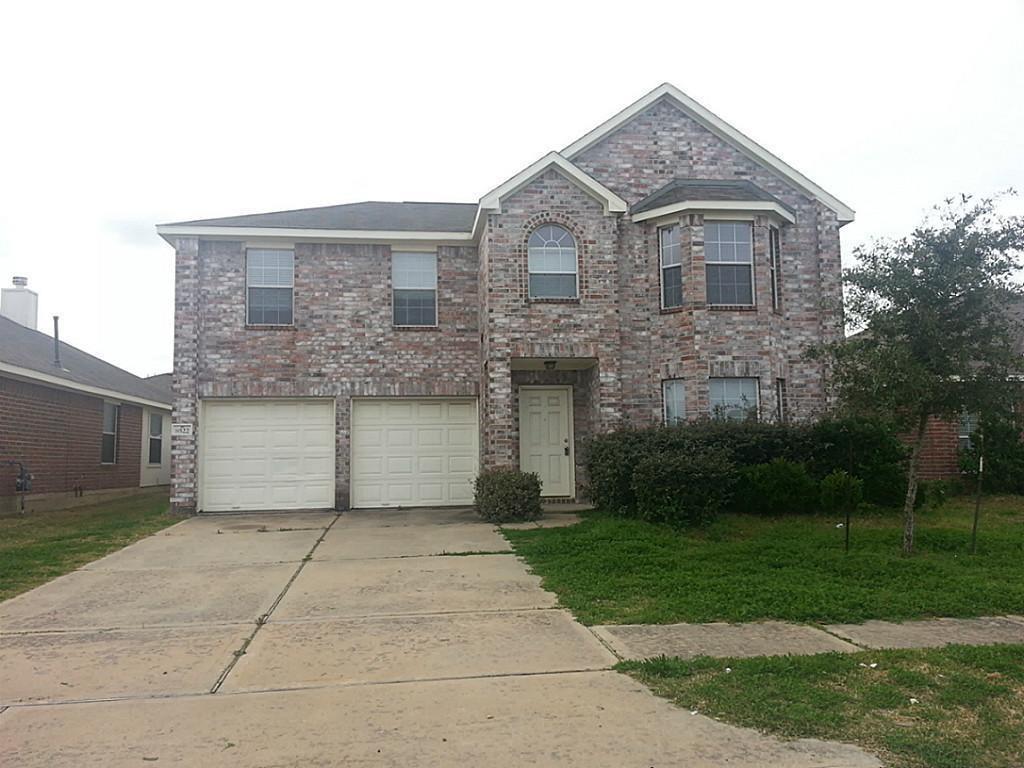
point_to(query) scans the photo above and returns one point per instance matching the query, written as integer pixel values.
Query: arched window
(552, 261)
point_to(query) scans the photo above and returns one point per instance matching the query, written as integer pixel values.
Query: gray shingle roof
(400, 217)
(25, 348)
(681, 190)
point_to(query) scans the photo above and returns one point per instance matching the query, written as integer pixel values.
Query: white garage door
(267, 454)
(409, 452)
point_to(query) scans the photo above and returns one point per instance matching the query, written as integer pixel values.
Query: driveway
(407, 638)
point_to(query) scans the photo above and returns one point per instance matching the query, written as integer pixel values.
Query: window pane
(728, 241)
(553, 286)
(415, 307)
(156, 424)
(156, 446)
(669, 244)
(733, 398)
(270, 268)
(674, 395)
(552, 250)
(270, 306)
(672, 287)
(107, 453)
(730, 284)
(414, 270)
(109, 417)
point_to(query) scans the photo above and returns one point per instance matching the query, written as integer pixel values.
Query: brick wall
(57, 434)
(939, 455)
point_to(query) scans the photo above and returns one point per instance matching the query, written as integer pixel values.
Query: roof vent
(20, 282)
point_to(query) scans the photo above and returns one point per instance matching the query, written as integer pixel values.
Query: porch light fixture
(550, 364)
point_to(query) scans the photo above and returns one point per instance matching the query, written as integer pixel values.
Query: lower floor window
(674, 397)
(156, 437)
(965, 433)
(733, 398)
(781, 401)
(111, 417)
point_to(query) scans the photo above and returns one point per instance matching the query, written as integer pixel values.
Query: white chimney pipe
(20, 304)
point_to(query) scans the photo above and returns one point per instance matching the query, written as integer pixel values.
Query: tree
(935, 337)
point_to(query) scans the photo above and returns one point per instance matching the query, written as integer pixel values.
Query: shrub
(683, 487)
(776, 488)
(840, 492)
(1004, 456)
(866, 448)
(507, 495)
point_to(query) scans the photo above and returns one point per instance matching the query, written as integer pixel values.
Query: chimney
(20, 304)
(56, 341)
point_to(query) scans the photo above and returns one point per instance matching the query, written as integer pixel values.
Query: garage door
(267, 454)
(408, 452)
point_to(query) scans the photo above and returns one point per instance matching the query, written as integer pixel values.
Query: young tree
(936, 338)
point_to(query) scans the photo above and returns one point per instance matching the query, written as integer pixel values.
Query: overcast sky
(119, 116)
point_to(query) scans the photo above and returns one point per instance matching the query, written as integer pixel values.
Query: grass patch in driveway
(610, 570)
(41, 546)
(968, 713)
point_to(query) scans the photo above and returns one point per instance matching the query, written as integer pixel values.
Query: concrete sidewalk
(361, 639)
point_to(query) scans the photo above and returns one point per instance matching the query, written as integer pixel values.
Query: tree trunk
(908, 504)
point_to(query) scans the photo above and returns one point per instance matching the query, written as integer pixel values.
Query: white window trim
(757, 392)
(662, 267)
(775, 266)
(664, 401)
(245, 267)
(575, 272)
(115, 433)
(753, 272)
(781, 400)
(437, 295)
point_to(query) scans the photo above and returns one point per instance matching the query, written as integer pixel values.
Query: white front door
(545, 438)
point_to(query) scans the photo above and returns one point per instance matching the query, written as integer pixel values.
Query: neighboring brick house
(83, 428)
(663, 267)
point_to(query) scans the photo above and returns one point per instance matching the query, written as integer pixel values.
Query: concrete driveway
(410, 638)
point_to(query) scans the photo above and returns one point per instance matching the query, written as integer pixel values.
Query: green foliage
(1000, 436)
(840, 492)
(507, 495)
(777, 488)
(866, 448)
(683, 487)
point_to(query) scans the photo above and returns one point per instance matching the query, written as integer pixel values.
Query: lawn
(958, 707)
(40, 546)
(609, 570)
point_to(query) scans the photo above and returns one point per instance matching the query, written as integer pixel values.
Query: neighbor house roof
(29, 354)
(696, 194)
(367, 216)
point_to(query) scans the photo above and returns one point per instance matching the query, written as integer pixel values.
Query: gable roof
(612, 203)
(704, 194)
(27, 353)
(720, 128)
(371, 215)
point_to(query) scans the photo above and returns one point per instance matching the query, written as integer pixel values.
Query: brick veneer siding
(58, 434)
(939, 455)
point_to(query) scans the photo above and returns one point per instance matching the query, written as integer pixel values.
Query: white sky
(117, 116)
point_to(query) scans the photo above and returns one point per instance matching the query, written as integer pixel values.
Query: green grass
(969, 711)
(40, 546)
(610, 570)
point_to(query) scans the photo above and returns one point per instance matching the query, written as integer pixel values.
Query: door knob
(567, 450)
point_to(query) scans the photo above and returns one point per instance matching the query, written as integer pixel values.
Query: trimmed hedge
(777, 488)
(507, 495)
(683, 487)
(868, 450)
(841, 492)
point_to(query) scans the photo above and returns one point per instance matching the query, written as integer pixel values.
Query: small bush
(1004, 456)
(840, 492)
(683, 488)
(777, 488)
(507, 495)
(866, 448)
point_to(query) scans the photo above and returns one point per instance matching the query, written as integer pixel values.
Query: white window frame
(115, 434)
(667, 384)
(966, 426)
(575, 266)
(781, 400)
(775, 266)
(248, 285)
(394, 287)
(663, 267)
(159, 436)
(709, 263)
(757, 394)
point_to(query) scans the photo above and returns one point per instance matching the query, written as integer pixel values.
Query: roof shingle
(683, 190)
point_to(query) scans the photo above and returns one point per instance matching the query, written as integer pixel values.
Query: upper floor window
(733, 398)
(270, 285)
(775, 268)
(414, 288)
(552, 261)
(674, 396)
(729, 259)
(671, 267)
(111, 422)
(156, 437)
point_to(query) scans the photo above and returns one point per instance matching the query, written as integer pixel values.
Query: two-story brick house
(662, 267)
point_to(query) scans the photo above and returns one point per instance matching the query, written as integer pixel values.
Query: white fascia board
(718, 126)
(56, 381)
(760, 206)
(613, 204)
(318, 235)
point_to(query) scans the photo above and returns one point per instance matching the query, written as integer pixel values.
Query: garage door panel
(272, 454)
(415, 452)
